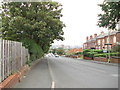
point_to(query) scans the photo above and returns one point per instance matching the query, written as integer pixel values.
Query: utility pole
(108, 46)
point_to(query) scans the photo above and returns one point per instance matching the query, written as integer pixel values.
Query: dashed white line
(115, 75)
(53, 85)
(51, 74)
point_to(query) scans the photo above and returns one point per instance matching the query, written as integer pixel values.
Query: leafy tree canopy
(60, 51)
(37, 21)
(110, 16)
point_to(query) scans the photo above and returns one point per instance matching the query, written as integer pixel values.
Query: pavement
(37, 77)
(62, 72)
(99, 62)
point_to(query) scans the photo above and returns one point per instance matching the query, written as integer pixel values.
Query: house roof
(75, 50)
(102, 35)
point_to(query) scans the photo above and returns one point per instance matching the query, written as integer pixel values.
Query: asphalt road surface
(61, 72)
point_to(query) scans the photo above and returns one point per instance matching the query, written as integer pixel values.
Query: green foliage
(116, 48)
(60, 51)
(35, 50)
(78, 53)
(100, 55)
(98, 51)
(86, 50)
(110, 16)
(37, 22)
(53, 51)
(113, 54)
(91, 53)
(106, 54)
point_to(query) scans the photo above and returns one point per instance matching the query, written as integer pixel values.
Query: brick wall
(87, 58)
(118, 37)
(102, 59)
(15, 78)
(115, 60)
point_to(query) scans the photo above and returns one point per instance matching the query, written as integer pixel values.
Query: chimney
(91, 37)
(102, 33)
(95, 35)
(87, 38)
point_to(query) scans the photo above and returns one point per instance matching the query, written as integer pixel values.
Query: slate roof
(102, 36)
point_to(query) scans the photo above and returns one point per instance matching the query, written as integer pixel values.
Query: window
(103, 42)
(107, 40)
(98, 42)
(114, 39)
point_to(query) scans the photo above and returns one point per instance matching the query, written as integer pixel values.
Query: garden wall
(115, 60)
(102, 59)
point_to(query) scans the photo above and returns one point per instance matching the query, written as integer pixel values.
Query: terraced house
(101, 41)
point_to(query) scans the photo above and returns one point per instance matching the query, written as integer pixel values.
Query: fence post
(0, 60)
(12, 57)
(21, 55)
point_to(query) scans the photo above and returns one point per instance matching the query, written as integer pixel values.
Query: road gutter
(51, 74)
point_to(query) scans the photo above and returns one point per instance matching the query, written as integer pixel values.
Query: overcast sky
(80, 17)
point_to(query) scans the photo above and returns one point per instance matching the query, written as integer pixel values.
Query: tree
(110, 16)
(60, 51)
(53, 51)
(35, 21)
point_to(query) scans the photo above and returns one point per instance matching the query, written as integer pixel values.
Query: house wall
(99, 43)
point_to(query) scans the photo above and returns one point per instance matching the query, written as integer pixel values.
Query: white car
(56, 55)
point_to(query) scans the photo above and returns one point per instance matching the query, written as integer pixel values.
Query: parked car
(56, 55)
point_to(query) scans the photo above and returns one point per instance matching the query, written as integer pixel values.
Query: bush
(113, 54)
(98, 51)
(89, 53)
(86, 50)
(100, 55)
(106, 54)
(34, 49)
(78, 53)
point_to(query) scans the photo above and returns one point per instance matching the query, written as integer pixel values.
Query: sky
(80, 18)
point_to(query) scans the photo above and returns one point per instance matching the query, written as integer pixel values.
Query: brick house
(101, 41)
(75, 50)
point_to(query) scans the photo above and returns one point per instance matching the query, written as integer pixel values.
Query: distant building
(75, 50)
(101, 41)
(61, 46)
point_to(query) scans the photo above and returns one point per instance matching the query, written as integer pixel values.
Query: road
(64, 72)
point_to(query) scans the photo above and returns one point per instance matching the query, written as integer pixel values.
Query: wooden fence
(13, 56)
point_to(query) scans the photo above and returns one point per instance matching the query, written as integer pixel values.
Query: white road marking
(53, 84)
(52, 77)
(115, 75)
